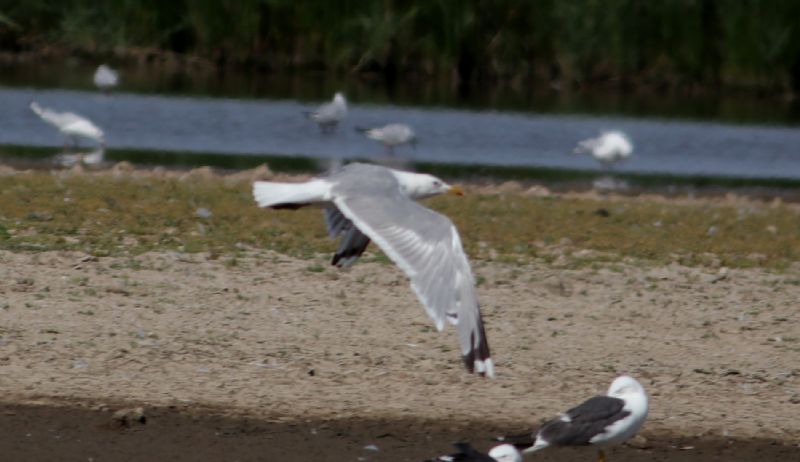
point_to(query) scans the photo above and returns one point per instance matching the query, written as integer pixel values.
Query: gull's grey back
(364, 179)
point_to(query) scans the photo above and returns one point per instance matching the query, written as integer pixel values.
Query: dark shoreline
(556, 179)
(47, 432)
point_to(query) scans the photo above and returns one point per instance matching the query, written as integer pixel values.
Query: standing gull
(466, 453)
(391, 135)
(70, 124)
(330, 114)
(366, 202)
(601, 420)
(608, 148)
(105, 78)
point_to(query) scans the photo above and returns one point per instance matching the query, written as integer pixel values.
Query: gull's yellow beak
(455, 190)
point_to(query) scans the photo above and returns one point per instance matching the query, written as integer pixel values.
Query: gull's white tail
(291, 195)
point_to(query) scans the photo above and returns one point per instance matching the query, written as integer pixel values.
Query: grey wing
(353, 242)
(580, 424)
(426, 246)
(328, 112)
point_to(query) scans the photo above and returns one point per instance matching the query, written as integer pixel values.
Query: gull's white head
(505, 453)
(422, 185)
(624, 386)
(338, 98)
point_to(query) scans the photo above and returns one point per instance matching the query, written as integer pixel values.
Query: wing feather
(426, 246)
(353, 242)
(579, 425)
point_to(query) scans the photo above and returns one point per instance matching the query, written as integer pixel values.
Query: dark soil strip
(45, 433)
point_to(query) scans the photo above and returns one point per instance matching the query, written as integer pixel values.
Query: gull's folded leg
(601, 456)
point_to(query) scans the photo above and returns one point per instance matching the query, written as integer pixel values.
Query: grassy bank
(103, 215)
(694, 42)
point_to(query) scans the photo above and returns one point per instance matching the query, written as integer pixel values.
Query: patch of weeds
(164, 220)
(79, 280)
(315, 268)
(231, 262)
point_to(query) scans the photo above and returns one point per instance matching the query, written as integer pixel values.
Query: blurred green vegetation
(750, 43)
(108, 215)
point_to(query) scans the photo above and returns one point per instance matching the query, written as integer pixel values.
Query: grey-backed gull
(366, 203)
(601, 420)
(330, 114)
(466, 453)
(608, 148)
(391, 135)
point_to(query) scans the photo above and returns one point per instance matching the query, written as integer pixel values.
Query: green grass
(103, 215)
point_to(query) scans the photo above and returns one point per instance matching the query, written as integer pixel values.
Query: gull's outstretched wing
(426, 246)
(353, 242)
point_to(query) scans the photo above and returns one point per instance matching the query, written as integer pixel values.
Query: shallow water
(277, 127)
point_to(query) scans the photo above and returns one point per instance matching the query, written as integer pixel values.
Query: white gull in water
(366, 203)
(599, 421)
(391, 135)
(608, 148)
(466, 453)
(70, 124)
(330, 114)
(105, 78)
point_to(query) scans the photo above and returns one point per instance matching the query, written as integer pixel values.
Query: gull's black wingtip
(479, 359)
(520, 441)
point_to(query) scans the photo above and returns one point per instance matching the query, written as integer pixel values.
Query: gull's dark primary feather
(466, 453)
(353, 242)
(520, 441)
(584, 422)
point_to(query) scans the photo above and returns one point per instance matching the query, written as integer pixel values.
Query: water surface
(260, 126)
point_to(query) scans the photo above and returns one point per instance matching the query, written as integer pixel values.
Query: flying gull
(466, 453)
(601, 420)
(391, 135)
(105, 78)
(366, 203)
(608, 148)
(70, 124)
(330, 114)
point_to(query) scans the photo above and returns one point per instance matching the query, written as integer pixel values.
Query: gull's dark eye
(437, 184)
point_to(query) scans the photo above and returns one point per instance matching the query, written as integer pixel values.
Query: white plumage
(105, 78)
(366, 203)
(330, 114)
(608, 148)
(70, 124)
(391, 135)
(91, 158)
